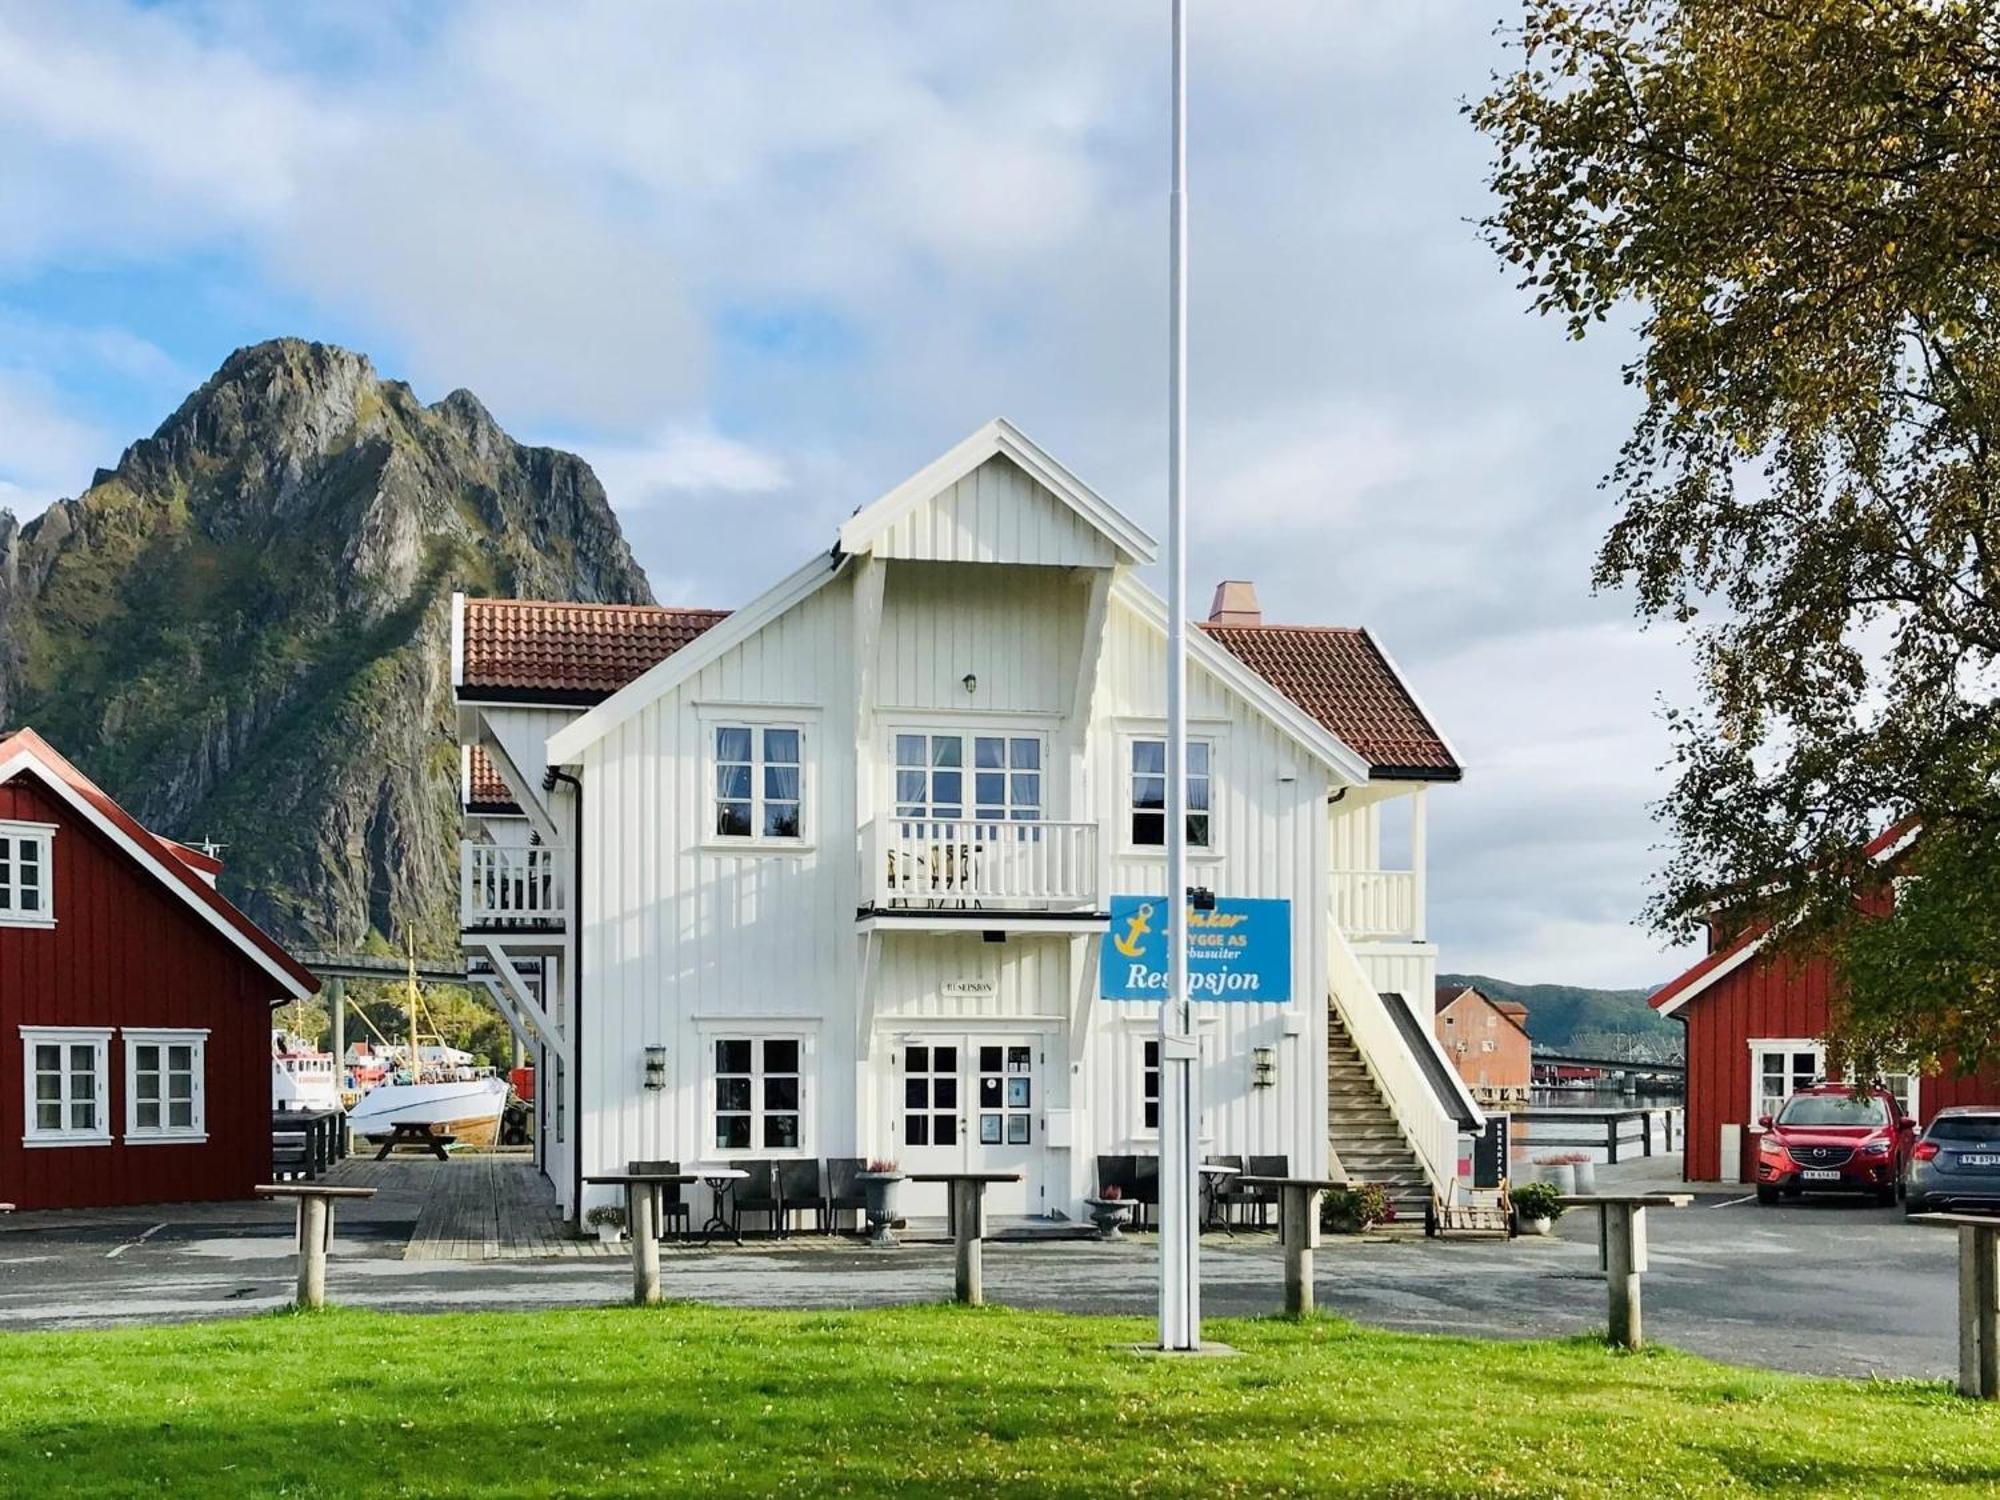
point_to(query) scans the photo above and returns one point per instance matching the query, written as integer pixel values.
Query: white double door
(970, 1102)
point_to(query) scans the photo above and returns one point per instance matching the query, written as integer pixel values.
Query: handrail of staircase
(1431, 1131)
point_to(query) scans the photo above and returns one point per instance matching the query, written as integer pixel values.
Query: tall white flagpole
(1180, 1110)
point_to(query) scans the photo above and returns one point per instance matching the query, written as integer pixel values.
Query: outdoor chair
(668, 1204)
(800, 1189)
(757, 1193)
(1146, 1185)
(1121, 1172)
(1224, 1193)
(842, 1191)
(1264, 1199)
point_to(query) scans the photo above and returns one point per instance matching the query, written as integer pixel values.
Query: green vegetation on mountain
(1565, 1018)
(241, 631)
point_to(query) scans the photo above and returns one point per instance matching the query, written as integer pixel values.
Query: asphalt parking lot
(1821, 1286)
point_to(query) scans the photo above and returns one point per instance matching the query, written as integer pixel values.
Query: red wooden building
(135, 1004)
(1755, 1033)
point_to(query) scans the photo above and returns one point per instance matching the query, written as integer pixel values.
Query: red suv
(1832, 1139)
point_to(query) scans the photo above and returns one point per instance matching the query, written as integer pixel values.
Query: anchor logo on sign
(1136, 927)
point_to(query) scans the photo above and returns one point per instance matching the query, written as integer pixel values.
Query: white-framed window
(1146, 793)
(165, 1084)
(66, 1074)
(951, 775)
(1779, 1068)
(1903, 1084)
(756, 1095)
(759, 782)
(27, 878)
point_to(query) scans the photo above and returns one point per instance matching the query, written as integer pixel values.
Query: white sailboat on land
(442, 1092)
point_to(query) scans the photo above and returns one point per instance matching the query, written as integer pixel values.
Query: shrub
(1538, 1200)
(1349, 1210)
(606, 1213)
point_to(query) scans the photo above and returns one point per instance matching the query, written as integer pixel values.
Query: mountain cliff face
(242, 630)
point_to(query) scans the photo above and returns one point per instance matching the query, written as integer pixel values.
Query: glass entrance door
(969, 1103)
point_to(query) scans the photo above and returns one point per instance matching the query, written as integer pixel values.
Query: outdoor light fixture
(971, 681)
(656, 1067)
(1263, 1067)
(1201, 898)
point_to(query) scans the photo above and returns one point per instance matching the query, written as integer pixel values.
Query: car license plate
(1979, 1159)
(1821, 1174)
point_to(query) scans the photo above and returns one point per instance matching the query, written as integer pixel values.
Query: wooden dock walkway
(476, 1206)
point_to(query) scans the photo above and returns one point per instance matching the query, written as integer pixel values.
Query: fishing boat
(302, 1077)
(434, 1086)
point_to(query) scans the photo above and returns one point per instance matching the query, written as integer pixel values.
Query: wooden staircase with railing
(1363, 1131)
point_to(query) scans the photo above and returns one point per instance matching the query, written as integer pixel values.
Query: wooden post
(1979, 1310)
(315, 1235)
(968, 1212)
(639, 1200)
(1625, 1226)
(1611, 1141)
(1298, 1225)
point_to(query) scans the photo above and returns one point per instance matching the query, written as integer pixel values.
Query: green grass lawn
(942, 1401)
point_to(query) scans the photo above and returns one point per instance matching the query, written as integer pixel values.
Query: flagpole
(1180, 1112)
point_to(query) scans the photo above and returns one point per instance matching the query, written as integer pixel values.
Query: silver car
(1957, 1163)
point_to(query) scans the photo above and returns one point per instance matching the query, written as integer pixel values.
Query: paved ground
(1820, 1286)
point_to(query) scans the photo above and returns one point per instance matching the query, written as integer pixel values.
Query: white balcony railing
(1375, 903)
(511, 885)
(939, 863)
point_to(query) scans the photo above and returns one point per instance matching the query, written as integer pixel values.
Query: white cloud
(680, 460)
(46, 451)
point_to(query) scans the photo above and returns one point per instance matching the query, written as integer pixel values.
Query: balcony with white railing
(947, 866)
(510, 887)
(1378, 905)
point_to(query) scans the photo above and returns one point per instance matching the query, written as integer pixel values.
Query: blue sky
(759, 262)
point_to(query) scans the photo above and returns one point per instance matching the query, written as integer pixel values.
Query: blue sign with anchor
(1242, 950)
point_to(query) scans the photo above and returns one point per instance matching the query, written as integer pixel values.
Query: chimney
(1235, 604)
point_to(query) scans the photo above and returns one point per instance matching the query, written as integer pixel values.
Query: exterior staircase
(1363, 1133)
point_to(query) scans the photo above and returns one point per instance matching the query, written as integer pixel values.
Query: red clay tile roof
(569, 653)
(184, 866)
(488, 791)
(1340, 676)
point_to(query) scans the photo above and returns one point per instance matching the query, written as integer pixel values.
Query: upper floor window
(759, 781)
(1147, 784)
(27, 896)
(1005, 772)
(65, 1070)
(165, 1097)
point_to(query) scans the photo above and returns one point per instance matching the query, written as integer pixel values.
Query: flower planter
(1110, 1215)
(879, 1191)
(610, 1234)
(1559, 1175)
(1535, 1226)
(1586, 1176)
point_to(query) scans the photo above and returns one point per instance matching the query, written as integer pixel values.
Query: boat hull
(470, 1111)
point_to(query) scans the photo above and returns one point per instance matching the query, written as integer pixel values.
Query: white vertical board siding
(523, 731)
(1357, 835)
(1019, 631)
(996, 514)
(1269, 839)
(680, 935)
(1406, 969)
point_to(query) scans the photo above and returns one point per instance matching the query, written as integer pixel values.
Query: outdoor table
(968, 1228)
(406, 1133)
(721, 1182)
(1298, 1227)
(1213, 1172)
(641, 1195)
(1978, 1300)
(1622, 1224)
(315, 1229)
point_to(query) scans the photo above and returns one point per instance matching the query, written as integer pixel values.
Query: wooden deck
(477, 1206)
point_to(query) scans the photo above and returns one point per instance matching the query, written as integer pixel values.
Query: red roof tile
(570, 653)
(488, 792)
(1340, 676)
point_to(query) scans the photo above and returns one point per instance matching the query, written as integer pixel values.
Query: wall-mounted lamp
(970, 681)
(656, 1067)
(1264, 1067)
(1201, 898)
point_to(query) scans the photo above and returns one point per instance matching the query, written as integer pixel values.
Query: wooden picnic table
(641, 1197)
(1622, 1231)
(315, 1230)
(1978, 1299)
(409, 1135)
(1298, 1227)
(968, 1228)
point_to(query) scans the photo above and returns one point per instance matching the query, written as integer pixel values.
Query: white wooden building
(828, 875)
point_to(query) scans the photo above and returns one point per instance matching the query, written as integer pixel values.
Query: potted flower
(1349, 1210)
(1581, 1167)
(879, 1190)
(609, 1221)
(1537, 1206)
(1558, 1172)
(1110, 1211)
